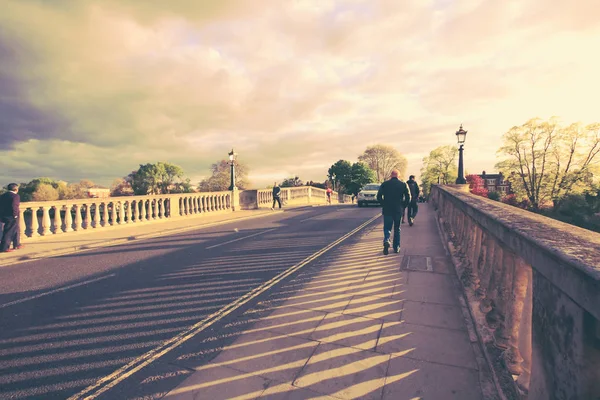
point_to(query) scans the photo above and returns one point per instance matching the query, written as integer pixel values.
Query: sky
(91, 89)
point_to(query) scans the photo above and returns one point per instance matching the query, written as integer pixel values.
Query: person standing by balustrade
(394, 196)
(9, 216)
(276, 195)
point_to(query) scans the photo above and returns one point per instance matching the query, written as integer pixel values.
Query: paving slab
(431, 314)
(348, 330)
(446, 346)
(345, 373)
(410, 379)
(387, 309)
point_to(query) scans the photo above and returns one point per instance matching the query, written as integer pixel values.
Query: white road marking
(109, 381)
(238, 239)
(62, 289)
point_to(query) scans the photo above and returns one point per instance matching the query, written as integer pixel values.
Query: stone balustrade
(533, 287)
(47, 218)
(263, 198)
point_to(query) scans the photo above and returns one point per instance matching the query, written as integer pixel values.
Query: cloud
(91, 89)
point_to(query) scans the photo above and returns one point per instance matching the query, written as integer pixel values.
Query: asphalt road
(67, 322)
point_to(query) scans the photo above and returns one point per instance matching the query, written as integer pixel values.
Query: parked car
(368, 195)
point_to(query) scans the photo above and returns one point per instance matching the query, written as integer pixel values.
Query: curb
(113, 242)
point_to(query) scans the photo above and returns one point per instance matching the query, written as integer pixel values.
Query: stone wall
(533, 286)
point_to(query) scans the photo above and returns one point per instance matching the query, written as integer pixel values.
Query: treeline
(553, 170)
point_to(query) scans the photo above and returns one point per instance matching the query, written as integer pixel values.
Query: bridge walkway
(354, 325)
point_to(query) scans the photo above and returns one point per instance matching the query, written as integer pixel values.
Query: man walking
(413, 207)
(276, 194)
(9, 215)
(393, 195)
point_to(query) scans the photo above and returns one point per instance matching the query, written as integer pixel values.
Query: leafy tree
(383, 159)
(439, 167)
(550, 161)
(476, 185)
(26, 190)
(159, 178)
(319, 185)
(221, 177)
(121, 187)
(291, 182)
(78, 190)
(45, 192)
(360, 175)
(340, 174)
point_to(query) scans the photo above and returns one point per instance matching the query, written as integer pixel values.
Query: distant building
(496, 183)
(97, 192)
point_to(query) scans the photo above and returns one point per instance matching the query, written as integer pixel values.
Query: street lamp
(461, 135)
(232, 156)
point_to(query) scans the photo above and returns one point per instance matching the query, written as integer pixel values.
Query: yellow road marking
(109, 381)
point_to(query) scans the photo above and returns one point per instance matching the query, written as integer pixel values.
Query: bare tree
(439, 167)
(550, 161)
(383, 159)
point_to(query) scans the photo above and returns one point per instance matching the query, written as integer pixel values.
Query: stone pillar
(159, 209)
(174, 211)
(235, 200)
(22, 224)
(128, 212)
(121, 213)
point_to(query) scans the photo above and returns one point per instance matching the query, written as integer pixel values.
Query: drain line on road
(109, 381)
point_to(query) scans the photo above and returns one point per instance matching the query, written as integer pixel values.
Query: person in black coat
(9, 216)
(413, 207)
(394, 196)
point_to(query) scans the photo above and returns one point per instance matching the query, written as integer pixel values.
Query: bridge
(216, 296)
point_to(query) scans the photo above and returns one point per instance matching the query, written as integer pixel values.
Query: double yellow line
(109, 381)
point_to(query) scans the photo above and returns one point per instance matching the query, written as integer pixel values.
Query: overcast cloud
(90, 89)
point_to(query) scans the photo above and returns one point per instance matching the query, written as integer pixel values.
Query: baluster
(159, 208)
(35, 223)
(121, 213)
(212, 202)
(217, 202)
(87, 222)
(147, 210)
(133, 205)
(78, 221)
(139, 206)
(190, 206)
(128, 213)
(201, 204)
(58, 222)
(105, 214)
(113, 213)
(22, 224)
(45, 221)
(68, 219)
(154, 214)
(96, 217)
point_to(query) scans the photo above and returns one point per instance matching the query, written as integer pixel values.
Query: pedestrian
(276, 196)
(394, 196)
(329, 192)
(413, 207)
(9, 216)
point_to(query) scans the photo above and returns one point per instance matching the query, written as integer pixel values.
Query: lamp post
(232, 156)
(461, 135)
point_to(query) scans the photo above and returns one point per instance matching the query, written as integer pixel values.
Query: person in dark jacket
(276, 194)
(393, 195)
(413, 207)
(9, 216)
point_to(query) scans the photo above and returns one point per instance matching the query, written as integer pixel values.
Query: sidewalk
(354, 325)
(66, 243)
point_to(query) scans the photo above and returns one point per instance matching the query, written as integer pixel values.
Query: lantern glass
(461, 135)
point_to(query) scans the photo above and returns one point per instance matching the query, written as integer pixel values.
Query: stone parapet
(533, 285)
